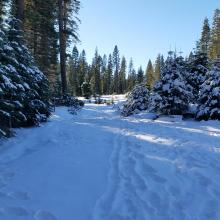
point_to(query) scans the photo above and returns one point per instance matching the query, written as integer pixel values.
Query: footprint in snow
(15, 211)
(44, 215)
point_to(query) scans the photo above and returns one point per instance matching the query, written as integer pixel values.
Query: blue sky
(142, 28)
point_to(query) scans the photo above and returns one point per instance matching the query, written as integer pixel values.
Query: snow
(99, 165)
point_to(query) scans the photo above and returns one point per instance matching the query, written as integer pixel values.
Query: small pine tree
(137, 100)
(209, 95)
(170, 95)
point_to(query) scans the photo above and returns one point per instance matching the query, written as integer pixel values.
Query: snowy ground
(97, 165)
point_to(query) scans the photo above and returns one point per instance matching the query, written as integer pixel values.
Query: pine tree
(40, 28)
(190, 58)
(73, 72)
(116, 66)
(214, 48)
(140, 75)
(197, 68)
(131, 76)
(82, 72)
(209, 102)
(68, 26)
(96, 74)
(122, 76)
(104, 75)
(205, 37)
(109, 82)
(138, 100)
(150, 75)
(157, 69)
(23, 88)
(170, 95)
(86, 90)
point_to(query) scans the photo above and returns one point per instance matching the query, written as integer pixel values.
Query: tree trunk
(62, 40)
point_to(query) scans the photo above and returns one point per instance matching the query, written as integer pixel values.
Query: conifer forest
(98, 136)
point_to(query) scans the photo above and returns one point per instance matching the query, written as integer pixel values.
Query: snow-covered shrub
(209, 95)
(170, 94)
(137, 100)
(71, 102)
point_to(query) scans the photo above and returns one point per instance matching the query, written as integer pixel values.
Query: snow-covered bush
(170, 94)
(71, 102)
(137, 100)
(209, 95)
(24, 90)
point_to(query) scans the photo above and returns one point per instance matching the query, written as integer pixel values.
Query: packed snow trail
(97, 165)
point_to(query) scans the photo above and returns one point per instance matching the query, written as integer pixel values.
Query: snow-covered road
(99, 166)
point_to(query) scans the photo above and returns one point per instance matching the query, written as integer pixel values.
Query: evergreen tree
(138, 100)
(23, 88)
(162, 63)
(190, 58)
(122, 76)
(140, 75)
(86, 90)
(104, 75)
(150, 75)
(73, 72)
(109, 82)
(96, 74)
(170, 95)
(82, 72)
(157, 69)
(205, 37)
(214, 49)
(197, 67)
(131, 76)
(116, 66)
(209, 95)
(40, 29)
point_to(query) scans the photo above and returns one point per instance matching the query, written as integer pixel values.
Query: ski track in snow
(97, 165)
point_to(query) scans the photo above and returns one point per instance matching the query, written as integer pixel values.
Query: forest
(36, 66)
(88, 135)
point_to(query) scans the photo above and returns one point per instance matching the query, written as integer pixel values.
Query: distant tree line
(107, 74)
(113, 74)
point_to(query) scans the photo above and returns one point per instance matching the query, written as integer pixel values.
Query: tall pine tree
(116, 66)
(205, 37)
(214, 48)
(150, 75)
